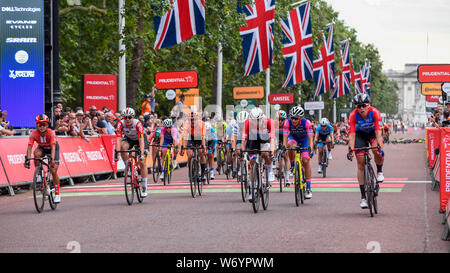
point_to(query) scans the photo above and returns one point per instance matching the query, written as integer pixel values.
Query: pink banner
(445, 167)
(434, 141)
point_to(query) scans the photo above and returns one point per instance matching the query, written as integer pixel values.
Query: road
(94, 217)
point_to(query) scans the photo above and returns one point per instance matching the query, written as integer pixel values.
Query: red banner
(110, 141)
(176, 79)
(433, 73)
(84, 158)
(434, 141)
(12, 153)
(100, 91)
(281, 98)
(445, 168)
(432, 98)
(3, 178)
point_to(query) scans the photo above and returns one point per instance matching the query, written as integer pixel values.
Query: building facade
(411, 108)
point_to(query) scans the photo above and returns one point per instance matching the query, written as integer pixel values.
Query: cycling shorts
(48, 151)
(323, 138)
(304, 144)
(212, 145)
(132, 143)
(363, 139)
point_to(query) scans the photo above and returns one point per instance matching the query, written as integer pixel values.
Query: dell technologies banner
(22, 60)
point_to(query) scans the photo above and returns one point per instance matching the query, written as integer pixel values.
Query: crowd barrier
(78, 158)
(438, 153)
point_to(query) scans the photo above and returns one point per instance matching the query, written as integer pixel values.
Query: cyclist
(237, 135)
(365, 129)
(194, 134)
(230, 132)
(168, 136)
(297, 131)
(259, 134)
(47, 145)
(386, 132)
(282, 116)
(211, 141)
(324, 132)
(130, 132)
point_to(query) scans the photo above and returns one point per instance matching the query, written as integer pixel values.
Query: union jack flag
(365, 79)
(324, 65)
(257, 43)
(298, 45)
(185, 19)
(345, 67)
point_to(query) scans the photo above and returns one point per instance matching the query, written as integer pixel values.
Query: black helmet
(361, 99)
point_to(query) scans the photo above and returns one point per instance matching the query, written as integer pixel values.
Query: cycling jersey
(367, 125)
(194, 131)
(328, 130)
(258, 132)
(299, 132)
(46, 141)
(169, 134)
(220, 129)
(134, 132)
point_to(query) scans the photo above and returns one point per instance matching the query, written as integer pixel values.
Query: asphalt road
(94, 217)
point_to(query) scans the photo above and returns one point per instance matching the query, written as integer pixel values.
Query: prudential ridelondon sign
(22, 60)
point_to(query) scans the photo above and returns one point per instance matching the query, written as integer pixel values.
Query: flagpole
(334, 110)
(122, 59)
(219, 76)
(267, 91)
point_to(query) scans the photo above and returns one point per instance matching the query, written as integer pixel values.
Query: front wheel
(255, 188)
(128, 183)
(39, 188)
(244, 182)
(51, 196)
(193, 176)
(264, 189)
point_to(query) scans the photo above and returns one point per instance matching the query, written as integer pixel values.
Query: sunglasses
(129, 117)
(362, 105)
(295, 118)
(43, 124)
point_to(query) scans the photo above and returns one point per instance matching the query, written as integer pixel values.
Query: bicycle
(156, 168)
(195, 180)
(243, 179)
(324, 159)
(43, 186)
(299, 175)
(167, 164)
(370, 184)
(132, 182)
(279, 158)
(229, 162)
(260, 184)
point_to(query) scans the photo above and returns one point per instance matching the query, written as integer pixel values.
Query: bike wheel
(219, 161)
(156, 170)
(280, 174)
(369, 190)
(264, 190)
(200, 181)
(255, 188)
(166, 171)
(193, 176)
(297, 182)
(244, 182)
(376, 190)
(208, 172)
(51, 196)
(39, 189)
(324, 162)
(138, 186)
(128, 183)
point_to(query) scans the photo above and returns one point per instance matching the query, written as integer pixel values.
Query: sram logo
(22, 40)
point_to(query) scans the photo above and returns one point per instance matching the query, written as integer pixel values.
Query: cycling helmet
(297, 112)
(281, 114)
(167, 122)
(361, 99)
(127, 112)
(324, 122)
(42, 118)
(256, 113)
(242, 116)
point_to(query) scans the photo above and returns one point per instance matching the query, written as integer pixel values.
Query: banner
(176, 79)
(83, 157)
(22, 60)
(12, 154)
(110, 142)
(433, 73)
(100, 90)
(281, 98)
(432, 89)
(434, 141)
(248, 92)
(3, 179)
(445, 168)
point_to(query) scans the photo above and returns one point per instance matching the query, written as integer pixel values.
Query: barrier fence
(438, 153)
(78, 158)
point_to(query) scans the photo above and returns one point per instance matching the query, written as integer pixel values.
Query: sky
(399, 29)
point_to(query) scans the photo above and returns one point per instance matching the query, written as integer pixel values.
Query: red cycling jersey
(46, 141)
(367, 124)
(256, 132)
(134, 132)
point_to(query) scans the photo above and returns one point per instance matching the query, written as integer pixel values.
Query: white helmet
(242, 116)
(297, 112)
(127, 112)
(256, 113)
(167, 122)
(324, 122)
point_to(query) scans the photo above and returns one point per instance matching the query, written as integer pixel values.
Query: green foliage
(89, 44)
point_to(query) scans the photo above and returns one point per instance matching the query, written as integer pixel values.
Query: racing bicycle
(299, 175)
(195, 179)
(132, 179)
(43, 187)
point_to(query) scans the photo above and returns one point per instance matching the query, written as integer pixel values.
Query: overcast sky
(398, 28)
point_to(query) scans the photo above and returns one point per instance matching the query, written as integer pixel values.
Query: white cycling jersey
(133, 132)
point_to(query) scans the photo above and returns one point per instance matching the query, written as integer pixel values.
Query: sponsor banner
(432, 89)
(176, 79)
(3, 179)
(281, 98)
(191, 96)
(248, 92)
(22, 60)
(100, 90)
(84, 158)
(432, 98)
(433, 73)
(445, 168)
(110, 143)
(314, 105)
(12, 153)
(434, 141)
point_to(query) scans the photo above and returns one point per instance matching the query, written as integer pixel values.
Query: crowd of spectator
(440, 116)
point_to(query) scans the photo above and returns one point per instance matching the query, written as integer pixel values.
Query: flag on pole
(365, 79)
(257, 35)
(185, 19)
(298, 45)
(345, 67)
(324, 65)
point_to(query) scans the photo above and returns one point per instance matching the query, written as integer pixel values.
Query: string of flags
(187, 18)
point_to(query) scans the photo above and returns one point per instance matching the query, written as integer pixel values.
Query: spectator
(105, 109)
(61, 125)
(92, 111)
(4, 123)
(101, 124)
(56, 113)
(148, 106)
(86, 126)
(4, 131)
(179, 106)
(60, 106)
(68, 110)
(109, 123)
(74, 130)
(94, 122)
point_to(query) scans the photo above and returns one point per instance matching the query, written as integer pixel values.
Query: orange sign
(248, 92)
(191, 97)
(432, 89)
